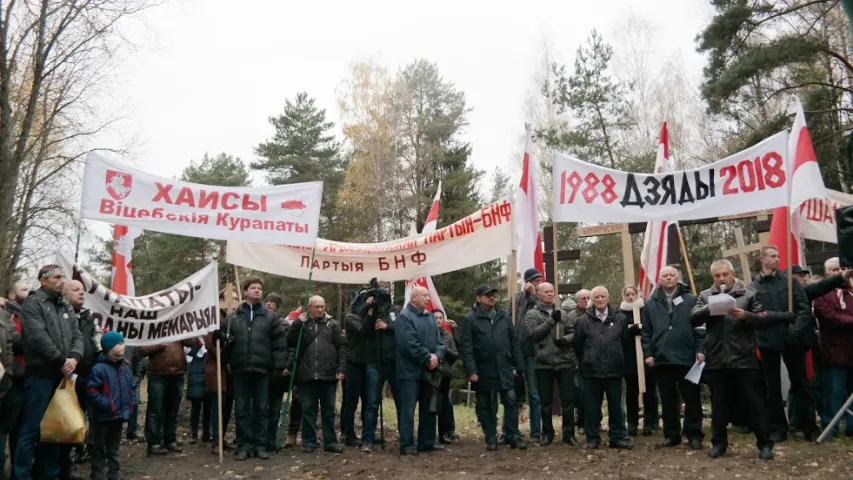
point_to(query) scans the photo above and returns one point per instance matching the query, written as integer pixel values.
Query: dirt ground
(468, 459)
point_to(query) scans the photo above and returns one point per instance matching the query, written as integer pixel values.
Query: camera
(381, 300)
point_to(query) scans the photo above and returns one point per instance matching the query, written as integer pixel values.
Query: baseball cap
(484, 289)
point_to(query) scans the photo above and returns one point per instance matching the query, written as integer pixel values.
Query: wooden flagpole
(641, 368)
(686, 260)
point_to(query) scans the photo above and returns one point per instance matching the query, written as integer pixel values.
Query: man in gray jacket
(553, 335)
(53, 346)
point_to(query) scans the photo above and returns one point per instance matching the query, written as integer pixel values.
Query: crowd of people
(581, 351)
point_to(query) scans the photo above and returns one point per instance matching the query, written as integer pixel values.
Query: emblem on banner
(118, 184)
(294, 208)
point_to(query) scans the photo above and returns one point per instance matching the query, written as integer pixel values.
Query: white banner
(188, 309)
(751, 180)
(484, 236)
(817, 216)
(116, 193)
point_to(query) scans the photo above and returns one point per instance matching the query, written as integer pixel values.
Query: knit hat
(531, 274)
(110, 340)
(275, 298)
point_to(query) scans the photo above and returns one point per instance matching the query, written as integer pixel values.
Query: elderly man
(491, 356)
(320, 365)
(671, 345)
(731, 360)
(53, 348)
(600, 336)
(575, 309)
(553, 334)
(419, 350)
(524, 301)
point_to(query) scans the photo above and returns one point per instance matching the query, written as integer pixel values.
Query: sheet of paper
(720, 304)
(695, 373)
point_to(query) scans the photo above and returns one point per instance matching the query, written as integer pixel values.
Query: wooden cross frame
(740, 251)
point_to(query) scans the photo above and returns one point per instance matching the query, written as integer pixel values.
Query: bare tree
(55, 56)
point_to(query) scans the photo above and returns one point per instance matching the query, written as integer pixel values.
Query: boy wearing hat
(110, 389)
(492, 358)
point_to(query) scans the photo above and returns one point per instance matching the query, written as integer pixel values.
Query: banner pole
(296, 353)
(686, 260)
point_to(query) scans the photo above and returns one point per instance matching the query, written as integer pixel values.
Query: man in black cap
(801, 274)
(492, 358)
(526, 300)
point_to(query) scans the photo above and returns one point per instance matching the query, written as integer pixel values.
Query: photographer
(372, 322)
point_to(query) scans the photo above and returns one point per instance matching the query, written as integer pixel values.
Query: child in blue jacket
(110, 390)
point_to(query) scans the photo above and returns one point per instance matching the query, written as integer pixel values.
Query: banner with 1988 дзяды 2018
(119, 194)
(481, 237)
(751, 180)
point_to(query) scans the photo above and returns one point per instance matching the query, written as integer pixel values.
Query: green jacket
(542, 329)
(50, 334)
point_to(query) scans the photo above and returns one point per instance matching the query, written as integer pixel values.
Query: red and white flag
(528, 238)
(426, 282)
(805, 183)
(122, 272)
(655, 241)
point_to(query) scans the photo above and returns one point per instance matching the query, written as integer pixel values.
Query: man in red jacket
(834, 314)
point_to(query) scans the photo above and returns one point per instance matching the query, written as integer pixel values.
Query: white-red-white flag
(122, 272)
(655, 241)
(528, 238)
(426, 282)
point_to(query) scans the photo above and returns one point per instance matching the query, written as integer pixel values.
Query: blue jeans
(533, 405)
(251, 399)
(39, 392)
(376, 375)
(837, 383)
(487, 413)
(133, 423)
(311, 394)
(411, 393)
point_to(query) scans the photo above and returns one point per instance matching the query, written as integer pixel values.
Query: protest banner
(188, 309)
(750, 180)
(481, 237)
(284, 214)
(817, 216)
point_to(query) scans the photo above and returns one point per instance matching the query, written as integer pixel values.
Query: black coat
(86, 324)
(490, 350)
(730, 343)
(669, 336)
(786, 327)
(366, 344)
(524, 302)
(322, 351)
(49, 334)
(600, 345)
(259, 340)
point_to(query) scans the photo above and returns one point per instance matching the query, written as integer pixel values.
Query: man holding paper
(672, 345)
(732, 363)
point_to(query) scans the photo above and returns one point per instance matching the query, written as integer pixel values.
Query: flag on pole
(528, 237)
(122, 272)
(805, 183)
(655, 241)
(426, 282)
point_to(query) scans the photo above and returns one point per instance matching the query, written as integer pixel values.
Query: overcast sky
(207, 74)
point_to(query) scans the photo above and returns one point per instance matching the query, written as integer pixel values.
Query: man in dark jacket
(731, 357)
(553, 334)
(600, 336)
(359, 348)
(492, 357)
(575, 309)
(53, 347)
(74, 294)
(786, 339)
(419, 351)
(671, 345)
(524, 301)
(278, 383)
(256, 350)
(372, 325)
(322, 359)
(166, 369)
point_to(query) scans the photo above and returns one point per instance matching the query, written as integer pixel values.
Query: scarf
(629, 307)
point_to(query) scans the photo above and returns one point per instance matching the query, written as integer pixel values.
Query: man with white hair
(731, 362)
(600, 336)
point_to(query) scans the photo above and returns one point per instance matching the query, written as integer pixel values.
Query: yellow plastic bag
(63, 420)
